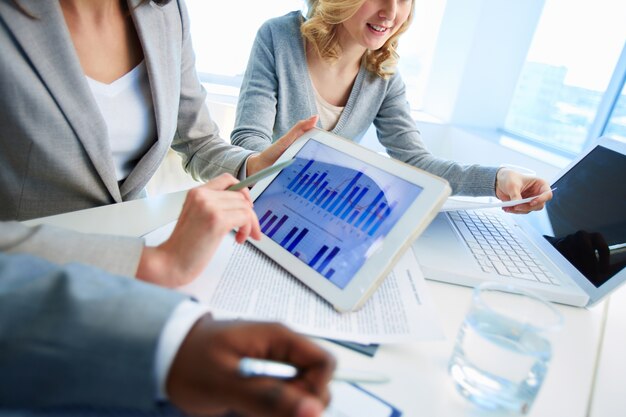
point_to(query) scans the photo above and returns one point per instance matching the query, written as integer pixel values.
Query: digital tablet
(340, 216)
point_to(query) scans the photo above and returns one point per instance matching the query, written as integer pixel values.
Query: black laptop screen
(586, 218)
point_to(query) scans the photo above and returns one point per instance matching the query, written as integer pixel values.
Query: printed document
(469, 203)
(477, 203)
(241, 282)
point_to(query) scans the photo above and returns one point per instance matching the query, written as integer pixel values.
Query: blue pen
(253, 179)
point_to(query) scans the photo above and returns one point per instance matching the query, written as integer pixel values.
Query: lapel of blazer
(47, 44)
(161, 43)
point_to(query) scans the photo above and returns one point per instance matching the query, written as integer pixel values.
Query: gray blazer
(54, 152)
(74, 335)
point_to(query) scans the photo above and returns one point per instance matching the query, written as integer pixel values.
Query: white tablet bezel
(419, 214)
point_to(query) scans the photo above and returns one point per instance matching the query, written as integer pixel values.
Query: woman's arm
(398, 133)
(205, 154)
(115, 254)
(256, 106)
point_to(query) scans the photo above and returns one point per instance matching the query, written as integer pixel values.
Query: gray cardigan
(277, 92)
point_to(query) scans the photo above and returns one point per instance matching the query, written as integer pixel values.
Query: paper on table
(475, 203)
(241, 282)
(455, 203)
(348, 400)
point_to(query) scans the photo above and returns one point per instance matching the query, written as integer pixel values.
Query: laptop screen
(586, 218)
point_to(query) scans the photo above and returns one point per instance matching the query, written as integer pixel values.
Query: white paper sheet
(476, 203)
(460, 203)
(350, 401)
(241, 282)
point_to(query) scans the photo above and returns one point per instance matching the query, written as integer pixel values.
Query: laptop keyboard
(496, 249)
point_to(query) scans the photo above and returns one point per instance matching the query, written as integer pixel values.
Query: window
(570, 69)
(223, 33)
(617, 123)
(416, 47)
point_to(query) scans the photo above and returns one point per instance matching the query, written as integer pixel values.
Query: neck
(95, 9)
(351, 52)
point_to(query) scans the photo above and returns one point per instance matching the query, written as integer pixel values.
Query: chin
(376, 47)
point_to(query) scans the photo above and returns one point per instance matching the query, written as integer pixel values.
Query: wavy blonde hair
(320, 29)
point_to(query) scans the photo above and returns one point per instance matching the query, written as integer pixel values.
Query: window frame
(609, 100)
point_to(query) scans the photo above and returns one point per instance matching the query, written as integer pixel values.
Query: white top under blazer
(128, 112)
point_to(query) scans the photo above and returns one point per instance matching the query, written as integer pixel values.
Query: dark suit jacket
(75, 335)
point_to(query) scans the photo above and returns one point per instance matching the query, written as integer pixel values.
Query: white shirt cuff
(182, 319)
(241, 175)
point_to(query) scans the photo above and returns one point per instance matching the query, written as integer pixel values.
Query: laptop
(571, 252)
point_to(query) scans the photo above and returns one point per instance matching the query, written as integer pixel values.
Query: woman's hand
(270, 155)
(511, 185)
(208, 214)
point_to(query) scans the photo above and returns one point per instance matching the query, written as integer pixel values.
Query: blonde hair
(320, 29)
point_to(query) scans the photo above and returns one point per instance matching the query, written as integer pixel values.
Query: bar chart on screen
(328, 214)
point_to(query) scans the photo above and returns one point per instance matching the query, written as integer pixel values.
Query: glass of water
(503, 348)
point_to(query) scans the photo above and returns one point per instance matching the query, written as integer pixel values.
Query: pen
(252, 179)
(252, 367)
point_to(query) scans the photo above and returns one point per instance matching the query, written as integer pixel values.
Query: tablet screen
(332, 211)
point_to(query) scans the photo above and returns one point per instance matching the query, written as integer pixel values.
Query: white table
(587, 375)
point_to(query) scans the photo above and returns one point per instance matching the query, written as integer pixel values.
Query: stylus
(252, 367)
(253, 179)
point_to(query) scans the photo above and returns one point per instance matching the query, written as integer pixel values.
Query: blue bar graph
(287, 238)
(308, 184)
(354, 203)
(347, 201)
(319, 190)
(265, 216)
(302, 181)
(369, 208)
(323, 196)
(351, 219)
(327, 260)
(297, 177)
(318, 255)
(280, 223)
(345, 190)
(330, 273)
(297, 240)
(374, 215)
(388, 211)
(316, 186)
(269, 224)
(332, 195)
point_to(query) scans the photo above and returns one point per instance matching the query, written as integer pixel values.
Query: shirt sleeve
(257, 101)
(117, 255)
(178, 325)
(88, 336)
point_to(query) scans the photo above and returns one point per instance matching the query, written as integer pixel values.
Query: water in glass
(499, 363)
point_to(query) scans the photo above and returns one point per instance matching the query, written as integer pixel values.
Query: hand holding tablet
(340, 216)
